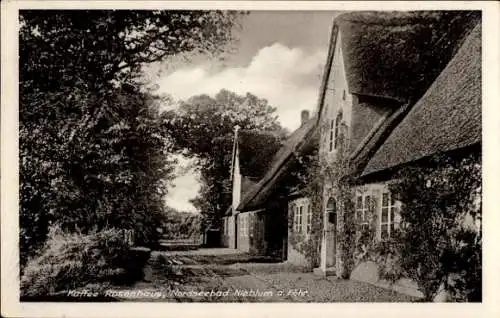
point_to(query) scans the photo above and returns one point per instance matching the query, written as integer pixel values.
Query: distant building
(257, 221)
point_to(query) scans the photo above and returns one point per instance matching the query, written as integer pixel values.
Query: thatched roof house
(390, 59)
(446, 118)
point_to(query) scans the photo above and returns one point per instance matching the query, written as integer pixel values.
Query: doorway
(330, 231)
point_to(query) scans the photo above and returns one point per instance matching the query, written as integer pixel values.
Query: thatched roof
(447, 117)
(397, 55)
(246, 185)
(300, 140)
(256, 150)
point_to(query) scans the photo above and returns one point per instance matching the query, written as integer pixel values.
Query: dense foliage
(203, 128)
(441, 243)
(70, 261)
(91, 171)
(94, 47)
(92, 151)
(181, 225)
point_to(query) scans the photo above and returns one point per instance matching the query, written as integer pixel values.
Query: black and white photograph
(215, 155)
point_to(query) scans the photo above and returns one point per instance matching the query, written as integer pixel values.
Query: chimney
(304, 117)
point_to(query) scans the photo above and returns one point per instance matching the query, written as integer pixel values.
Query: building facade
(397, 88)
(394, 108)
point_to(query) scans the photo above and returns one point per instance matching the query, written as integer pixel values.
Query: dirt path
(232, 277)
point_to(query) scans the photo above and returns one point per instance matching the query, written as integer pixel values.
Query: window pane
(364, 227)
(384, 231)
(385, 212)
(393, 200)
(368, 202)
(300, 217)
(359, 202)
(385, 199)
(393, 226)
(392, 214)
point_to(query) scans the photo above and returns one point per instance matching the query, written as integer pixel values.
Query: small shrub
(69, 261)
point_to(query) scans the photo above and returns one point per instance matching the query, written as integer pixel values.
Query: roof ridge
(382, 18)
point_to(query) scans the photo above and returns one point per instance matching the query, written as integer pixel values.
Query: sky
(279, 56)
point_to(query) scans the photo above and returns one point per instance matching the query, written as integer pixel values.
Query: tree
(203, 127)
(93, 47)
(92, 152)
(106, 172)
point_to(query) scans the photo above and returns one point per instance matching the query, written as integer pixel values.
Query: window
(343, 94)
(300, 217)
(241, 220)
(331, 210)
(338, 122)
(244, 225)
(250, 221)
(388, 218)
(309, 219)
(332, 124)
(297, 218)
(335, 131)
(363, 206)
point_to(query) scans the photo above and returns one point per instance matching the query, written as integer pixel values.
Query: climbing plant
(311, 185)
(324, 176)
(441, 243)
(439, 240)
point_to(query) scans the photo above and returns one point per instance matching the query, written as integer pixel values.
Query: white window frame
(363, 209)
(243, 224)
(298, 212)
(391, 209)
(308, 219)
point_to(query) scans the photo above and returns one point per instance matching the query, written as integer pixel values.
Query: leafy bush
(181, 225)
(441, 242)
(93, 151)
(69, 261)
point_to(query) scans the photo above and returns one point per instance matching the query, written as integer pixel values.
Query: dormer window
(335, 132)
